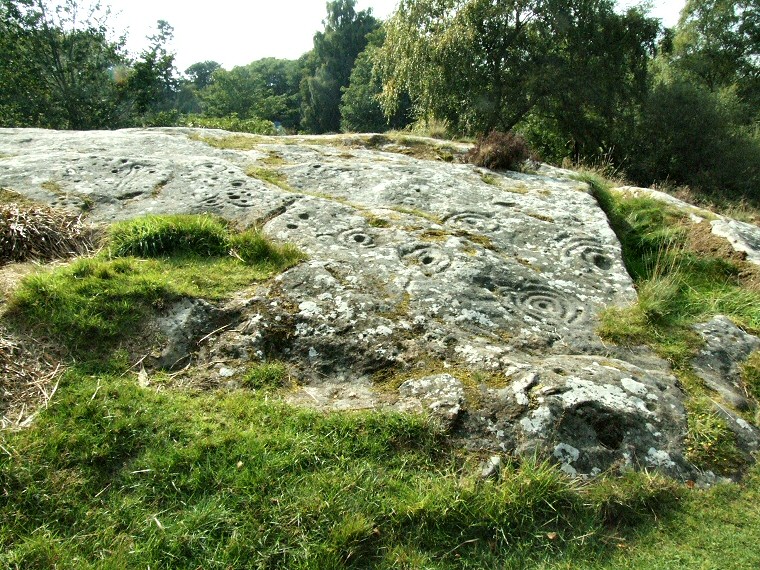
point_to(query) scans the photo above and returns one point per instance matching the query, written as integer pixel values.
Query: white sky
(237, 32)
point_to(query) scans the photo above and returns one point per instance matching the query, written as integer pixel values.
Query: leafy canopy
(481, 65)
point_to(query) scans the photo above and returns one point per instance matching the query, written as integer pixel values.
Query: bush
(500, 151)
(689, 136)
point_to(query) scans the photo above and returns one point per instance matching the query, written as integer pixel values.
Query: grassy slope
(113, 475)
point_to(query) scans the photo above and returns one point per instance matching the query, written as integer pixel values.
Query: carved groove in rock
(430, 260)
(541, 302)
(357, 238)
(522, 308)
(589, 250)
(471, 219)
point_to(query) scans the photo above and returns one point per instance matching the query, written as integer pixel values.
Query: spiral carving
(541, 302)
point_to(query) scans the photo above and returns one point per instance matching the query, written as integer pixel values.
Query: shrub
(688, 135)
(500, 151)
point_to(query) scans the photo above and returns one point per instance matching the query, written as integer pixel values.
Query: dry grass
(40, 233)
(28, 380)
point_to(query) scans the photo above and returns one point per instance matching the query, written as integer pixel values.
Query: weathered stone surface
(412, 265)
(180, 327)
(442, 394)
(742, 236)
(589, 413)
(726, 347)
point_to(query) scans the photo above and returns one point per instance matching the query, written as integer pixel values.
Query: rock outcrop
(429, 285)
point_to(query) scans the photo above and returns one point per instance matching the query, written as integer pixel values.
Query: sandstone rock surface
(726, 347)
(419, 274)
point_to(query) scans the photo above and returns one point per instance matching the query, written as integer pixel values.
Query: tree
(718, 43)
(60, 69)
(688, 135)
(201, 74)
(266, 89)
(330, 63)
(360, 109)
(485, 64)
(153, 84)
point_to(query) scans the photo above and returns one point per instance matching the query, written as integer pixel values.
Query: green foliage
(698, 143)
(264, 90)
(482, 65)
(330, 63)
(499, 151)
(360, 109)
(152, 82)
(60, 68)
(231, 123)
(201, 74)
(716, 45)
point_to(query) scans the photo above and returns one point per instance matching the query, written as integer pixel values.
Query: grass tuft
(161, 236)
(633, 497)
(750, 373)
(92, 305)
(710, 443)
(266, 375)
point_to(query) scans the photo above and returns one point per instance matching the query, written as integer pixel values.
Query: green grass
(117, 476)
(489, 179)
(160, 236)
(229, 123)
(677, 288)
(113, 475)
(266, 375)
(750, 372)
(230, 142)
(718, 528)
(8, 196)
(93, 304)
